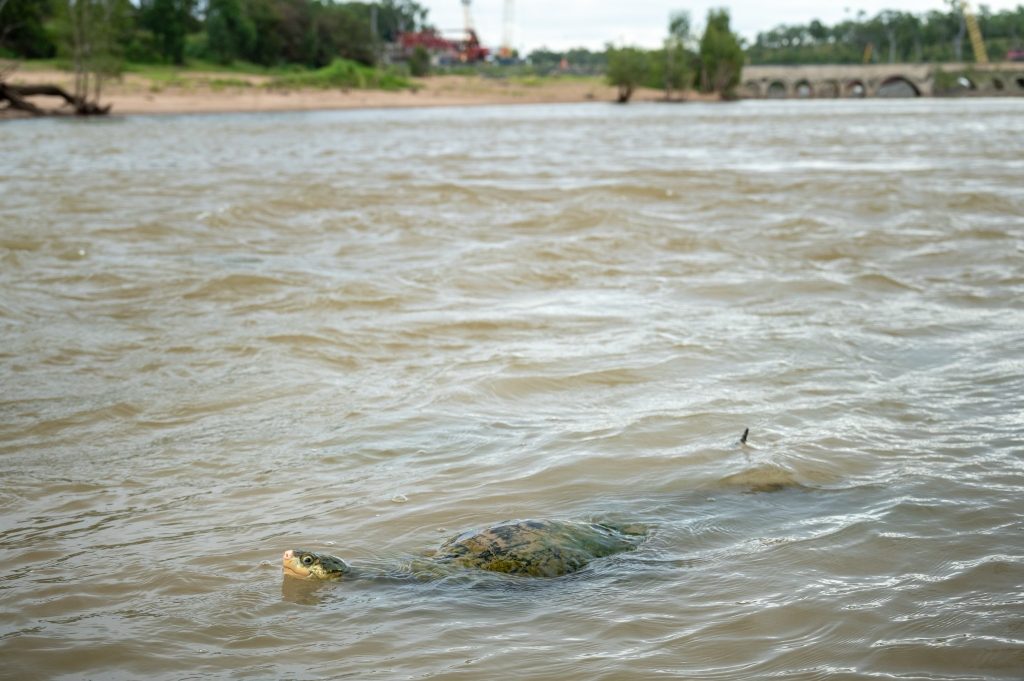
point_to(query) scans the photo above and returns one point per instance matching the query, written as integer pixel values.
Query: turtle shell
(538, 548)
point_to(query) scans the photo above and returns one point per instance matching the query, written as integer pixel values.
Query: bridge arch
(752, 89)
(828, 88)
(855, 89)
(897, 86)
(822, 81)
(965, 83)
(776, 90)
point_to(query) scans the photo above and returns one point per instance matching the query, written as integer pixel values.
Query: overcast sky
(561, 24)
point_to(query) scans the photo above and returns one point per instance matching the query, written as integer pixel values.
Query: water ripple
(249, 333)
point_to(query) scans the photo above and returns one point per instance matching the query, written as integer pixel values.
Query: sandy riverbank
(212, 92)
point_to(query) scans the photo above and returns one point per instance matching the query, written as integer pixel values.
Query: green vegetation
(344, 73)
(721, 57)
(335, 43)
(419, 62)
(23, 30)
(892, 36)
(627, 69)
(675, 70)
(580, 61)
(163, 71)
(715, 68)
(217, 84)
(88, 34)
(309, 33)
(304, 43)
(948, 81)
(163, 25)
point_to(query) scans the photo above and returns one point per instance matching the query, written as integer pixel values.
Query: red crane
(465, 49)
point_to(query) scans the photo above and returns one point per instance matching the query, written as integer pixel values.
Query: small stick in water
(743, 438)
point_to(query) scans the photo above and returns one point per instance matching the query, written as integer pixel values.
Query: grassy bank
(210, 88)
(341, 74)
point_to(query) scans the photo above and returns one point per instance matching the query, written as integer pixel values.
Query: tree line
(314, 33)
(309, 33)
(98, 35)
(890, 36)
(711, 63)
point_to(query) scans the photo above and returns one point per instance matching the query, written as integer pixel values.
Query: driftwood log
(15, 96)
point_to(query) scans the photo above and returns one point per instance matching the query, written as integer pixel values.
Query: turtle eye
(307, 560)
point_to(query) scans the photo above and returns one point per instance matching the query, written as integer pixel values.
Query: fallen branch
(15, 96)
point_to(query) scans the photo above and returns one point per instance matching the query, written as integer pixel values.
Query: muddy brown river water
(225, 336)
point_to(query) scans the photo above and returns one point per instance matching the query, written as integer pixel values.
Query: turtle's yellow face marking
(310, 565)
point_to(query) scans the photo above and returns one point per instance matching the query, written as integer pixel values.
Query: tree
(887, 20)
(22, 29)
(721, 56)
(627, 68)
(398, 16)
(92, 32)
(344, 31)
(935, 36)
(230, 33)
(169, 21)
(958, 39)
(677, 58)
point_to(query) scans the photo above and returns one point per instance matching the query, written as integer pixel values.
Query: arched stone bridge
(881, 80)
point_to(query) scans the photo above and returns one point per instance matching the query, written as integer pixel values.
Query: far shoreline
(201, 93)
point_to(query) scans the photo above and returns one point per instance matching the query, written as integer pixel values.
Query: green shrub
(218, 84)
(419, 62)
(344, 73)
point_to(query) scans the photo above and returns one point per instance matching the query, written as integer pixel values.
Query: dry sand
(190, 92)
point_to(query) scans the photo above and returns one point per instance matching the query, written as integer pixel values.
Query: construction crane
(466, 48)
(506, 33)
(977, 43)
(470, 49)
(869, 52)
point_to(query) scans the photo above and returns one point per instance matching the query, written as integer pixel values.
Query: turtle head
(311, 565)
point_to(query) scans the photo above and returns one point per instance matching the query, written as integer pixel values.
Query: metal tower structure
(977, 43)
(508, 22)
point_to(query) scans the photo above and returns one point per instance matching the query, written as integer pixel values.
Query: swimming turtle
(535, 548)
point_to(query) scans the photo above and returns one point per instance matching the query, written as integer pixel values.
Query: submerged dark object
(533, 548)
